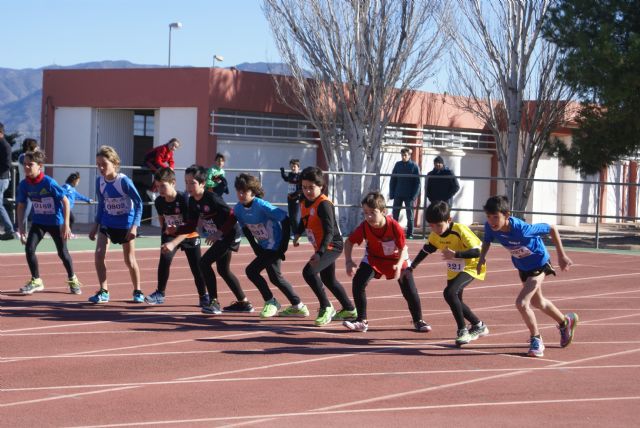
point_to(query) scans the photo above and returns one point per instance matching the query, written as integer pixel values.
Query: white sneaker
(361, 326)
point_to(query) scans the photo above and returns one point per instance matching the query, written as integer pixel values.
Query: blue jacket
(405, 187)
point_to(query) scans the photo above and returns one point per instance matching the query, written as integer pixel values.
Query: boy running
(530, 256)
(172, 207)
(460, 249)
(386, 254)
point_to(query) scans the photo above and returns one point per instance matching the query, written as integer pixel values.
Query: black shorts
(117, 236)
(547, 269)
(187, 244)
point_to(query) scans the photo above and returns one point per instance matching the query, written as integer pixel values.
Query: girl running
(267, 229)
(319, 222)
(117, 220)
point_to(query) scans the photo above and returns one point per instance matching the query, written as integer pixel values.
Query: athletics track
(67, 363)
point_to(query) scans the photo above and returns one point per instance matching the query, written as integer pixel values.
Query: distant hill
(21, 91)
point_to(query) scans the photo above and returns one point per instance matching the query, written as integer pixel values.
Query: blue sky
(67, 32)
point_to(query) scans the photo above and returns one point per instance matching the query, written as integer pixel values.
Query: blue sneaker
(156, 298)
(204, 301)
(536, 349)
(138, 297)
(102, 296)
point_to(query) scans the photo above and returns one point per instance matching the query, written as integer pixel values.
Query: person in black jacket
(441, 189)
(405, 189)
(294, 190)
(5, 179)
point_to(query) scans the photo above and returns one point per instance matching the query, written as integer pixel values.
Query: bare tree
(353, 65)
(505, 72)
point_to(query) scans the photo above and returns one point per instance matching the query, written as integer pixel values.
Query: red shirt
(160, 157)
(384, 245)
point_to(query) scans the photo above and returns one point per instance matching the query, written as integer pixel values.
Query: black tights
(365, 273)
(36, 234)
(453, 296)
(325, 273)
(192, 252)
(270, 260)
(220, 254)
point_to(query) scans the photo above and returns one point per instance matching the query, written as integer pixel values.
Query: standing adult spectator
(441, 189)
(405, 189)
(160, 157)
(5, 179)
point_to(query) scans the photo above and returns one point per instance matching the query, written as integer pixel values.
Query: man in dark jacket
(5, 179)
(441, 189)
(405, 189)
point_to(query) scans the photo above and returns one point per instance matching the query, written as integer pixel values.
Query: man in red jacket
(160, 157)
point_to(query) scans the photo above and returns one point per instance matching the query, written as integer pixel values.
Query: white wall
(248, 155)
(74, 142)
(544, 195)
(180, 123)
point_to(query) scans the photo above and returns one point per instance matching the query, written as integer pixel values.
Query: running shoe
(213, 308)
(296, 311)
(536, 348)
(422, 326)
(566, 331)
(34, 284)
(478, 330)
(138, 297)
(346, 315)
(463, 337)
(155, 298)
(102, 296)
(204, 301)
(361, 326)
(239, 306)
(325, 315)
(270, 308)
(74, 285)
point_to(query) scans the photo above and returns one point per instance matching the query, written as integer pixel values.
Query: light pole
(177, 26)
(218, 58)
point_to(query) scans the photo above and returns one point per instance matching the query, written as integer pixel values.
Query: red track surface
(66, 362)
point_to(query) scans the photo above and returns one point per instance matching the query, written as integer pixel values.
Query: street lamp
(218, 58)
(177, 26)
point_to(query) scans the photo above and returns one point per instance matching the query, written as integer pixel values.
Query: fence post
(598, 215)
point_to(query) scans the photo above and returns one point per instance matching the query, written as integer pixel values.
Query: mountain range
(21, 91)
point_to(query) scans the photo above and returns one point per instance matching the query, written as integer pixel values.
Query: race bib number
(455, 266)
(209, 227)
(311, 237)
(520, 252)
(117, 206)
(44, 206)
(388, 247)
(173, 220)
(258, 231)
(292, 188)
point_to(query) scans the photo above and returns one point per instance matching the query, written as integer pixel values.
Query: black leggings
(192, 251)
(453, 296)
(36, 234)
(220, 253)
(365, 273)
(325, 273)
(293, 208)
(270, 260)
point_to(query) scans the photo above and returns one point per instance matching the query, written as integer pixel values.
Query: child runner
(530, 256)
(294, 191)
(460, 249)
(117, 220)
(319, 221)
(72, 194)
(172, 207)
(50, 215)
(267, 229)
(216, 181)
(223, 233)
(386, 254)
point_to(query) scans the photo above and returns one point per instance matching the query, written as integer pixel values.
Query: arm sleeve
(284, 175)
(357, 235)
(252, 241)
(392, 183)
(327, 218)
(455, 185)
(416, 182)
(468, 254)
(424, 252)
(537, 229)
(81, 196)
